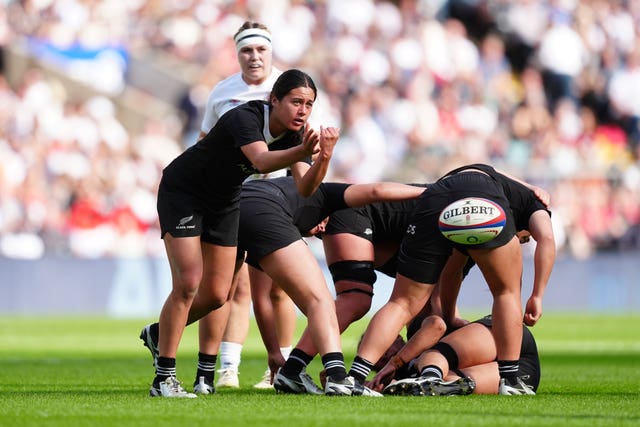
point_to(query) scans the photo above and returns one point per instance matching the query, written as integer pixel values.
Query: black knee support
(355, 271)
(449, 353)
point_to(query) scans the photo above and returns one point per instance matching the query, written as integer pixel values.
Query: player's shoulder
(245, 113)
(230, 85)
(275, 73)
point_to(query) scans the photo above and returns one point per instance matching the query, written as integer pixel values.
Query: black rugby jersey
(214, 168)
(388, 220)
(522, 201)
(305, 212)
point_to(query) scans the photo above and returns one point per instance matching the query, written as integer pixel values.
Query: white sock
(286, 351)
(229, 355)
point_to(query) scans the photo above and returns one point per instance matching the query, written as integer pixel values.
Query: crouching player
(462, 362)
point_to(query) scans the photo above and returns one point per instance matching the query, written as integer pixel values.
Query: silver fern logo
(182, 224)
(185, 220)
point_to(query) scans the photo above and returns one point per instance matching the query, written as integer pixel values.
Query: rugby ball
(472, 221)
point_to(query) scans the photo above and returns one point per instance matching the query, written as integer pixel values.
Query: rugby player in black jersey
(273, 219)
(424, 253)
(199, 198)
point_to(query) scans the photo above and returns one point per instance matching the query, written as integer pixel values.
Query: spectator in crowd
(191, 39)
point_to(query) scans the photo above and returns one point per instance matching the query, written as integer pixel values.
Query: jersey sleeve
(244, 125)
(523, 203)
(334, 194)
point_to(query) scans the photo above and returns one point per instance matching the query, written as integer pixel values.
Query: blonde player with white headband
(254, 81)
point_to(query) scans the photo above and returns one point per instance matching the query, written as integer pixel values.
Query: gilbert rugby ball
(472, 221)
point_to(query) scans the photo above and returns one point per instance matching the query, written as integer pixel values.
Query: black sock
(297, 361)
(431, 371)
(508, 370)
(334, 366)
(165, 368)
(360, 369)
(206, 367)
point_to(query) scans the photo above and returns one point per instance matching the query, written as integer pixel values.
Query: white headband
(252, 36)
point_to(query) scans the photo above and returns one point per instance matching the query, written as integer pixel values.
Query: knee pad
(449, 353)
(355, 271)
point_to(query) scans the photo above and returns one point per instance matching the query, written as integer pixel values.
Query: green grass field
(95, 372)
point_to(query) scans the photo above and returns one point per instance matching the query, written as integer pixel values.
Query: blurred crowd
(548, 91)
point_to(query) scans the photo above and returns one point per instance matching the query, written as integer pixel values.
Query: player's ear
(273, 100)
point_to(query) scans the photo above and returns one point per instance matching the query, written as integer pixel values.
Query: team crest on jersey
(411, 229)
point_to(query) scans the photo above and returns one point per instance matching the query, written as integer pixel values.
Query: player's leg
(502, 269)
(235, 332)
(485, 377)
(265, 314)
(470, 345)
(186, 262)
(202, 275)
(276, 315)
(285, 316)
(211, 327)
(304, 282)
(210, 330)
(407, 299)
(350, 260)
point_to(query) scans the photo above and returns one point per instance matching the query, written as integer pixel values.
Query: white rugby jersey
(231, 92)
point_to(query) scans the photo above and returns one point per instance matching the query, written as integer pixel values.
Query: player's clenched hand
(328, 139)
(533, 311)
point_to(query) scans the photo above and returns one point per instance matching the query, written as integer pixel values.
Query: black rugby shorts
(183, 215)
